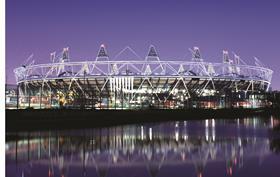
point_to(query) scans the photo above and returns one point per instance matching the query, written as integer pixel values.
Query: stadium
(141, 83)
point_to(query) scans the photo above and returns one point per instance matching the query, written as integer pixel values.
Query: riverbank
(34, 119)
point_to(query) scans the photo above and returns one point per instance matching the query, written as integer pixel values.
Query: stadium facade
(105, 83)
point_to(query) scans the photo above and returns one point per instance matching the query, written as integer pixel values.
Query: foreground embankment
(32, 119)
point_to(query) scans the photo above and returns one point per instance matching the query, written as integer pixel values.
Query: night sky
(249, 28)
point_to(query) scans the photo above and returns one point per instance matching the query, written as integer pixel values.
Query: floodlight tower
(226, 58)
(65, 55)
(237, 63)
(196, 55)
(227, 68)
(52, 57)
(236, 59)
(102, 54)
(152, 56)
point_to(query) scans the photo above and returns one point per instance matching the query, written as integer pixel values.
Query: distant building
(11, 96)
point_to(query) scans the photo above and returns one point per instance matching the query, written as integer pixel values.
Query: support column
(29, 98)
(152, 96)
(51, 98)
(108, 101)
(92, 105)
(100, 97)
(41, 89)
(17, 95)
(84, 93)
(115, 99)
(129, 101)
(122, 96)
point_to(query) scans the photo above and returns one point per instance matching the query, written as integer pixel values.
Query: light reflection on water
(183, 148)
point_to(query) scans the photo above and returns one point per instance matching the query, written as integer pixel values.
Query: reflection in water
(148, 148)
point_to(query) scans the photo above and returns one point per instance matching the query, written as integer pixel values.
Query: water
(241, 147)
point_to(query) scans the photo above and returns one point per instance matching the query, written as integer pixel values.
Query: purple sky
(249, 28)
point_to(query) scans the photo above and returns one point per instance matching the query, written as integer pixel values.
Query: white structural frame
(102, 67)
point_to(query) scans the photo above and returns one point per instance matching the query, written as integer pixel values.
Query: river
(204, 148)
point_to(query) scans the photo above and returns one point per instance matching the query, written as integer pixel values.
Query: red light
(50, 173)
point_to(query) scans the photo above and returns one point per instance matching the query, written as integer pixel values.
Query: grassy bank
(29, 119)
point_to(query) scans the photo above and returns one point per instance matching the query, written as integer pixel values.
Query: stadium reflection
(192, 148)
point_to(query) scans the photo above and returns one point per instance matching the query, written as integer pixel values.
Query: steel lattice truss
(105, 75)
